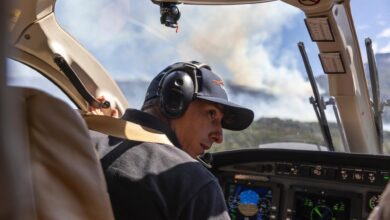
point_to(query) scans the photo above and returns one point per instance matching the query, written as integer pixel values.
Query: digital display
(248, 202)
(372, 200)
(317, 206)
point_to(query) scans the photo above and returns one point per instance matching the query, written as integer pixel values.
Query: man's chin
(200, 152)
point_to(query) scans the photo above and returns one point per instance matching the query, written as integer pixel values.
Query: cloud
(385, 33)
(374, 48)
(246, 47)
(362, 27)
(383, 37)
(385, 49)
(117, 32)
(245, 44)
(382, 23)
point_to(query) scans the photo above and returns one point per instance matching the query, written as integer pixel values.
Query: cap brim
(235, 117)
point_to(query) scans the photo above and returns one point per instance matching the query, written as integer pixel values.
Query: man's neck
(157, 114)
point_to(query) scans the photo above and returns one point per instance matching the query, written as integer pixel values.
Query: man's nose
(217, 136)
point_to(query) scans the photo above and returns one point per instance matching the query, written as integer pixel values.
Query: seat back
(63, 169)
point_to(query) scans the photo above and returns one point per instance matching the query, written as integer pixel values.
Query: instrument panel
(262, 184)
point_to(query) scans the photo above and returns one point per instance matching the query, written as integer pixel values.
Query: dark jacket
(159, 181)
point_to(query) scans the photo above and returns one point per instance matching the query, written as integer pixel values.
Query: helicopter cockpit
(319, 143)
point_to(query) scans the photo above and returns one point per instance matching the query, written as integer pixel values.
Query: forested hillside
(270, 130)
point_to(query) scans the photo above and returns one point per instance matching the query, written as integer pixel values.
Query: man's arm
(207, 204)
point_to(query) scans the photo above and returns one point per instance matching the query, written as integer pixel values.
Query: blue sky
(372, 20)
(250, 45)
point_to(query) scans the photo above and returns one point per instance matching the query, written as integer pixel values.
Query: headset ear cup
(177, 91)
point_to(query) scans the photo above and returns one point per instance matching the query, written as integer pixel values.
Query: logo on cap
(218, 82)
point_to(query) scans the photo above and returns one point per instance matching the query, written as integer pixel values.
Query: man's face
(199, 127)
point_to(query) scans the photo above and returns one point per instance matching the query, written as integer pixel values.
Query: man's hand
(103, 111)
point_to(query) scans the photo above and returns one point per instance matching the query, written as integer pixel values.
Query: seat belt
(111, 156)
(132, 134)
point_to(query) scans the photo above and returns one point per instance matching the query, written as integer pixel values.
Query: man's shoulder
(161, 160)
(158, 152)
(169, 176)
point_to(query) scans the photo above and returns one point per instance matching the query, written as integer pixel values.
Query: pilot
(188, 103)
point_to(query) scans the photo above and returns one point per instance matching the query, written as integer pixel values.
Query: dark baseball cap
(211, 89)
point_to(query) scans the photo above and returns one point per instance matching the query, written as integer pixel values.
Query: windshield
(372, 22)
(253, 47)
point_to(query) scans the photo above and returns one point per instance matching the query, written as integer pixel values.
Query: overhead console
(292, 184)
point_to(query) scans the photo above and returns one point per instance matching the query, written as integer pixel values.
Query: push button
(370, 177)
(316, 171)
(384, 177)
(358, 175)
(346, 175)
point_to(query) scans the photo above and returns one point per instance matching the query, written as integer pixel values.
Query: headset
(178, 87)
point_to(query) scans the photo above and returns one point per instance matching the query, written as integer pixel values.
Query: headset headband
(192, 68)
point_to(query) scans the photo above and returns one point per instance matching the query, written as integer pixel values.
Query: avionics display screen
(248, 202)
(313, 206)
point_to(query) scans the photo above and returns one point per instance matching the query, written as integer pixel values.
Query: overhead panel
(319, 29)
(332, 63)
